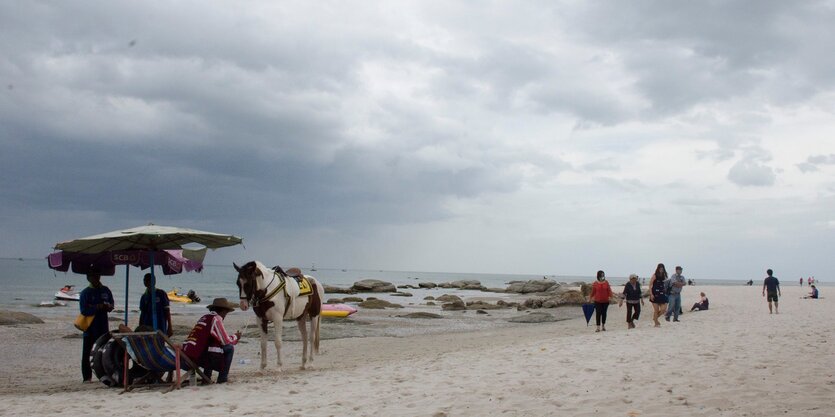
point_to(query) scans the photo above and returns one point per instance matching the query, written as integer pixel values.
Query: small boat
(175, 297)
(313, 267)
(337, 310)
(67, 293)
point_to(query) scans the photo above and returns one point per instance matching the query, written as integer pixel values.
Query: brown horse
(274, 297)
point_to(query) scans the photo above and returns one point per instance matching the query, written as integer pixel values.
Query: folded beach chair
(155, 352)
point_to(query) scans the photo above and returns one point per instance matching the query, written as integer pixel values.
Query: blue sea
(27, 282)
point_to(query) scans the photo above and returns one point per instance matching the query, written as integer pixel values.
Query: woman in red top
(601, 292)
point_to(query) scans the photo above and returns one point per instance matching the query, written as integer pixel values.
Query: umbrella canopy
(588, 310)
(173, 261)
(150, 237)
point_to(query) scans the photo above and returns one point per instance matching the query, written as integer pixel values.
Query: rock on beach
(8, 317)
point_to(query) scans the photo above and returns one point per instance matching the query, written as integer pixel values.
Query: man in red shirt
(209, 345)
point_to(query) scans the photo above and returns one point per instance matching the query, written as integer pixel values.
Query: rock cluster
(373, 285)
(17, 317)
(374, 303)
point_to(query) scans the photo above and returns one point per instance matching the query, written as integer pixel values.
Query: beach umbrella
(588, 310)
(173, 261)
(147, 239)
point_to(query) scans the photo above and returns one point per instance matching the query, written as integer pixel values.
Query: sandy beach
(734, 360)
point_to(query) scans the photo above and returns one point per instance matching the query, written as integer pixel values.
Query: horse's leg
(263, 325)
(303, 329)
(279, 323)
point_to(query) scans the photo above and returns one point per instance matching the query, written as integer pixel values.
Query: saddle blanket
(304, 286)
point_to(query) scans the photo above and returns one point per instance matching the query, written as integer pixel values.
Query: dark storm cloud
(684, 54)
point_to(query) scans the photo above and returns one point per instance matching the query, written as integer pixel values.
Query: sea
(25, 283)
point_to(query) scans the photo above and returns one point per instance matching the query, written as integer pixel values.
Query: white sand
(734, 360)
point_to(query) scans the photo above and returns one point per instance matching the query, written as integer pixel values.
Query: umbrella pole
(153, 293)
(127, 282)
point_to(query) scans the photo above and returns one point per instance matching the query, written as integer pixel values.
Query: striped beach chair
(154, 352)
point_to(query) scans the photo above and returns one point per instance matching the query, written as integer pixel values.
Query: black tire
(108, 361)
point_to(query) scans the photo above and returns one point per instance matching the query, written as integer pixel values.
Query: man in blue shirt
(162, 306)
(772, 286)
(677, 282)
(96, 300)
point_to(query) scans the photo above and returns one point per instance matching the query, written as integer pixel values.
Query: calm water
(25, 283)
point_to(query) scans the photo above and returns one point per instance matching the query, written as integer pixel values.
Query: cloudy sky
(553, 137)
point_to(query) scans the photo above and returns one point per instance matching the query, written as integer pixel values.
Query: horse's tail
(315, 301)
(316, 333)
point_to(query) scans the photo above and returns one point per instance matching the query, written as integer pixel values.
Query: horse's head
(247, 282)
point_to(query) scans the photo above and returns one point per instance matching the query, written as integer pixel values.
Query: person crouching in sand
(634, 300)
(658, 293)
(209, 345)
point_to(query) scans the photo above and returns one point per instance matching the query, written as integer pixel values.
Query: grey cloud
(813, 162)
(750, 171)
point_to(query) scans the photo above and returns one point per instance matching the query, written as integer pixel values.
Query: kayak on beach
(337, 310)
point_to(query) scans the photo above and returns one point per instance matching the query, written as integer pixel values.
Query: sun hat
(633, 276)
(221, 304)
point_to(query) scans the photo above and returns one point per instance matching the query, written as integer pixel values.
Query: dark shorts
(772, 296)
(659, 299)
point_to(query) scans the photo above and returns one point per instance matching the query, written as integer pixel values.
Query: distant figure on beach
(801, 282)
(658, 294)
(750, 282)
(96, 300)
(162, 306)
(600, 295)
(813, 293)
(809, 281)
(703, 303)
(771, 285)
(676, 283)
(209, 345)
(633, 295)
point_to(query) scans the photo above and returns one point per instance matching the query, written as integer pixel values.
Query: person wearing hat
(95, 300)
(677, 282)
(209, 344)
(634, 300)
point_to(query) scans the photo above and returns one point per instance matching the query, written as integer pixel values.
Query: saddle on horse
(304, 285)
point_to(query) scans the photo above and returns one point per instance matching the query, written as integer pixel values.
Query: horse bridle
(253, 299)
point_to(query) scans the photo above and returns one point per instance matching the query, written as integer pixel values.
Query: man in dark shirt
(96, 300)
(772, 286)
(162, 306)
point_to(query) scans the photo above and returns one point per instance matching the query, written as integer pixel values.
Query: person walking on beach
(95, 300)
(209, 344)
(601, 293)
(801, 282)
(162, 306)
(633, 295)
(677, 282)
(658, 294)
(772, 285)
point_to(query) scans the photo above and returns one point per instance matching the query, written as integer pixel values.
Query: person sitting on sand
(703, 304)
(209, 345)
(813, 293)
